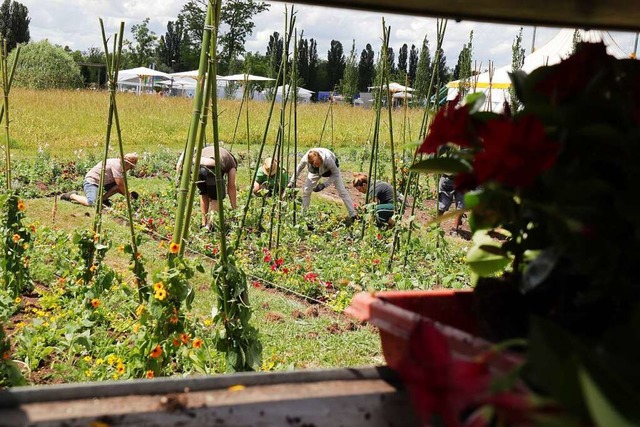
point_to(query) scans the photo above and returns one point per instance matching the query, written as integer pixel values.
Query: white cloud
(74, 23)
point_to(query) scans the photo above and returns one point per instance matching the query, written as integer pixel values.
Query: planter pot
(429, 338)
(397, 313)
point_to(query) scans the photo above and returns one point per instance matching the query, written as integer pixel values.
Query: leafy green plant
(16, 238)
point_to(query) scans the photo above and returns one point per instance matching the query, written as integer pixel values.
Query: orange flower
(197, 343)
(184, 338)
(21, 206)
(156, 352)
(174, 247)
(16, 238)
(96, 237)
(157, 286)
(149, 374)
(6, 355)
(33, 228)
(176, 342)
(138, 255)
(120, 368)
(95, 303)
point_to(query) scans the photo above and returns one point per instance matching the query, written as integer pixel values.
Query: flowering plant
(554, 182)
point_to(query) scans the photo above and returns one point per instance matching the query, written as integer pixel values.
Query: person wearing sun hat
(113, 181)
(268, 180)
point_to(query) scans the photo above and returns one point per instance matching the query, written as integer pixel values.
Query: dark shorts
(207, 183)
(384, 212)
(447, 195)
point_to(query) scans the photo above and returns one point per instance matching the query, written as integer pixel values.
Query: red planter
(397, 314)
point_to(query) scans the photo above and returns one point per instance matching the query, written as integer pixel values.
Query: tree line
(179, 49)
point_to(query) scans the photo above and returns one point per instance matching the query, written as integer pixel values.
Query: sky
(74, 23)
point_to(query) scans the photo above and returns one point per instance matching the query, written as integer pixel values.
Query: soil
(424, 214)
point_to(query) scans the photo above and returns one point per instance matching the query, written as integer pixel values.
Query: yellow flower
(88, 373)
(115, 376)
(208, 322)
(92, 268)
(157, 286)
(136, 328)
(174, 247)
(161, 244)
(121, 248)
(160, 295)
(21, 206)
(25, 246)
(99, 362)
(18, 300)
(111, 359)
(87, 359)
(120, 368)
(140, 310)
(95, 303)
(16, 238)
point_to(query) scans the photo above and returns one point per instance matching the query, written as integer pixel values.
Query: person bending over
(382, 193)
(207, 180)
(113, 181)
(321, 163)
(267, 180)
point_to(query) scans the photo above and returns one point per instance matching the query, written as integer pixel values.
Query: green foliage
(335, 63)
(413, 64)
(44, 66)
(16, 241)
(349, 83)
(423, 72)
(366, 68)
(517, 61)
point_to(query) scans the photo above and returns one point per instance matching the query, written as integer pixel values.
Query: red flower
(376, 261)
(285, 270)
(311, 277)
(328, 285)
(274, 267)
(267, 258)
(571, 76)
(256, 284)
(515, 152)
(451, 124)
(379, 236)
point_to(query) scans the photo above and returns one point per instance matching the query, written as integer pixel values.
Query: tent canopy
(140, 73)
(496, 87)
(244, 77)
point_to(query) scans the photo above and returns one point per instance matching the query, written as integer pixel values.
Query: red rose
(451, 124)
(515, 152)
(572, 75)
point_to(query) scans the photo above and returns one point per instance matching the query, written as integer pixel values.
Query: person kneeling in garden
(382, 193)
(113, 181)
(270, 179)
(322, 163)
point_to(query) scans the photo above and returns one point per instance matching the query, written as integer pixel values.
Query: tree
(403, 56)
(237, 17)
(517, 61)
(423, 71)
(302, 63)
(93, 66)
(313, 66)
(366, 68)
(14, 23)
(44, 66)
(391, 63)
(441, 70)
(170, 47)
(462, 70)
(349, 84)
(335, 63)
(192, 15)
(413, 63)
(275, 49)
(142, 52)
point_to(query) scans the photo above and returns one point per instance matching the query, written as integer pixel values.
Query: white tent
(304, 95)
(496, 89)
(140, 78)
(394, 87)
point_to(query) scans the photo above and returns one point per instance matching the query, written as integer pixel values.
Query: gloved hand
(319, 187)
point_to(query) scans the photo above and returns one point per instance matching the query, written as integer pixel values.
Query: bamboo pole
(5, 107)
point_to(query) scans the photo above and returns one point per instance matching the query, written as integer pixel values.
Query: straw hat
(131, 158)
(270, 166)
